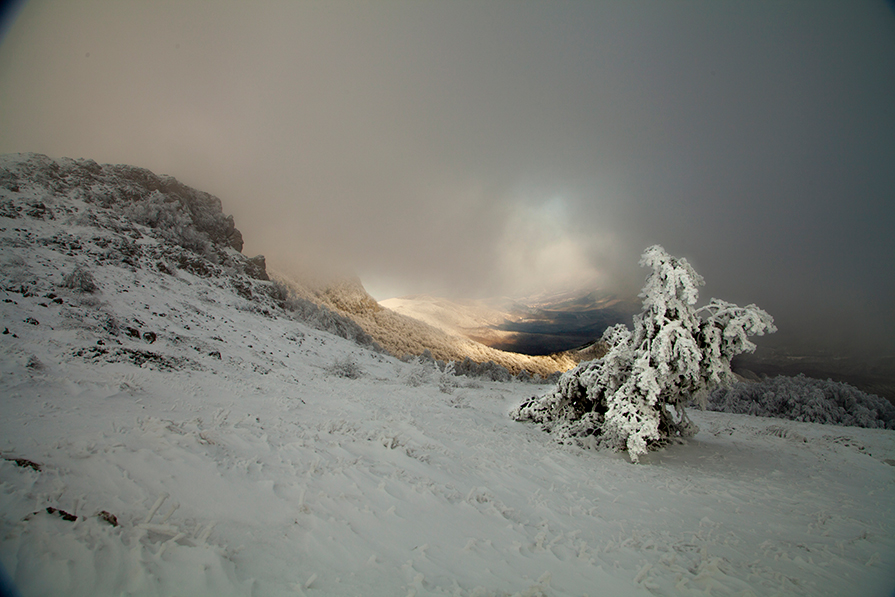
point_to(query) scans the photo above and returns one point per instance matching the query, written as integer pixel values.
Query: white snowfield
(240, 452)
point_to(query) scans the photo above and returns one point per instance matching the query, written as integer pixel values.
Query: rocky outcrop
(188, 217)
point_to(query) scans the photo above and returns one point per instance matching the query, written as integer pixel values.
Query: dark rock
(25, 463)
(62, 514)
(39, 211)
(107, 517)
(256, 267)
(8, 210)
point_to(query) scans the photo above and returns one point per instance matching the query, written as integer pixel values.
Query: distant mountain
(874, 374)
(476, 320)
(403, 335)
(536, 325)
(566, 323)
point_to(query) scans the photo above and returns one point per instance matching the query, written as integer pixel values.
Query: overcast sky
(501, 148)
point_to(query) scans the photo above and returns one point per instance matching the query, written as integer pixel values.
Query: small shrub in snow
(279, 291)
(447, 384)
(447, 380)
(488, 370)
(634, 397)
(90, 302)
(346, 368)
(15, 272)
(81, 280)
(802, 398)
(419, 374)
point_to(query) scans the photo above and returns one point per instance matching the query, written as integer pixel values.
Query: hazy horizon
(468, 149)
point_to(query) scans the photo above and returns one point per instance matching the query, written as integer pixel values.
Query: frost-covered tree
(634, 397)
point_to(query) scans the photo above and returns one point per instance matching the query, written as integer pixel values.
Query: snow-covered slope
(406, 336)
(454, 317)
(176, 432)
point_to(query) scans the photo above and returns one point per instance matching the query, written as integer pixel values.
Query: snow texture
(166, 435)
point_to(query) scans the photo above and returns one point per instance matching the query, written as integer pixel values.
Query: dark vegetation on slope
(802, 398)
(870, 373)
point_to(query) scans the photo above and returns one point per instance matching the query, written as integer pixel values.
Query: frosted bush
(802, 398)
(80, 279)
(419, 374)
(346, 368)
(488, 370)
(634, 397)
(15, 272)
(172, 219)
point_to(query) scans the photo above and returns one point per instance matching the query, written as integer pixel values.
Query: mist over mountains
(541, 334)
(471, 151)
(537, 325)
(195, 236)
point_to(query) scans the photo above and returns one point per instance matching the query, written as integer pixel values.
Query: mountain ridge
(192, 234)
(129, 205)
(405, 336)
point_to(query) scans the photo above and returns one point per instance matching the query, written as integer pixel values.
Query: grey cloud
(489, 148)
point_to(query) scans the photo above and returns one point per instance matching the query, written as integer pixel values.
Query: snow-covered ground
(167, 436)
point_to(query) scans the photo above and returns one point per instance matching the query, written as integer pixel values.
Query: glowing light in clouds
(542, 249)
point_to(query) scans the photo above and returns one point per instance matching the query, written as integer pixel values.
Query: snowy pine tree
(634, 397)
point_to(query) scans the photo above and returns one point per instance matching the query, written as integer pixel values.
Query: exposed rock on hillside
(161, 202)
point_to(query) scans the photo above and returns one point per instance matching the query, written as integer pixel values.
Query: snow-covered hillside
(539, 324)
(469, 318)
(405, 336)
(175, 431)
